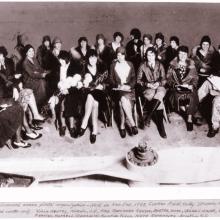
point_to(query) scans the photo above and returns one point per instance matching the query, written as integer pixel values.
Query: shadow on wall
(70, 20)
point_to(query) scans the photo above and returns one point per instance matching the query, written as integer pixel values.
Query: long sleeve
(170, 80)
(140, 75)
(39, 55)
(113, 81)
(162, 75)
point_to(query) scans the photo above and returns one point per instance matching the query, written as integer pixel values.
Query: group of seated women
(134, 84)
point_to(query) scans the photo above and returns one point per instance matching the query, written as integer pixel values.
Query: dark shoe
(82, 131)
(147, 122)
(32, 136)
(122, 133)
(35, 127)
(134, 130)
(160, 125)
(212, 132)
(73, 133)
(198, 121)
(141, 125)
(92, 138)
(153, 105)
(62, 131)
(162, 132)
(38, 121)
(21, 144)
(189, 126)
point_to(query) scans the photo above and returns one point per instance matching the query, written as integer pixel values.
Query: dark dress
(161, 52)
(75, 100)
(33, 79)
(99, 78)
(134, 55)
(52, 64)
(105, 56)
(42, 56)
(83, 58)
(170, 54)
(101, 96)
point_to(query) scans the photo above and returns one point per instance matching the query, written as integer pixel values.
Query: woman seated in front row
(122, 77)
(68, 99)
(151, 76)
(94, 80)
(182, 79)
(11, 87)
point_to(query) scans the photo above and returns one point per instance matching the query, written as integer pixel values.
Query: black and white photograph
(109, 94)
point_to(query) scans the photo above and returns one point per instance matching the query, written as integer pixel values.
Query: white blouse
(122, 70)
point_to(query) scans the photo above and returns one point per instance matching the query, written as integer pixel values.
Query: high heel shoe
(92, 138)
(37, 121)
(62, 131)
(189, 126)
(35, 127)
(122, 133)
(20, 144)
(134, 130)
(33, 136)
(82, 131)
(73, 133)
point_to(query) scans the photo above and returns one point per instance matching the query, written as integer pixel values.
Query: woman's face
(173, 44)
(56, 52)
(120, 57)
(159, 42)
(146, 41)
(46, 43)
(182, 56)
(151, 56)
(100, 41)
(83, 43)
(205, 46)
(30, 53)
(93, 60)
(118, 39)
(58, 46)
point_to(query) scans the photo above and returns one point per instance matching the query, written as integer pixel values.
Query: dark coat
(42, 56)
(33, 79)
(190, 78)
(105, 56)
(134, 55)
(170, 54)
(201, 61)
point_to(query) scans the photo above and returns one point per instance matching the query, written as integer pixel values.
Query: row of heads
(120, 50)
(91, 52)
(135, 33)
